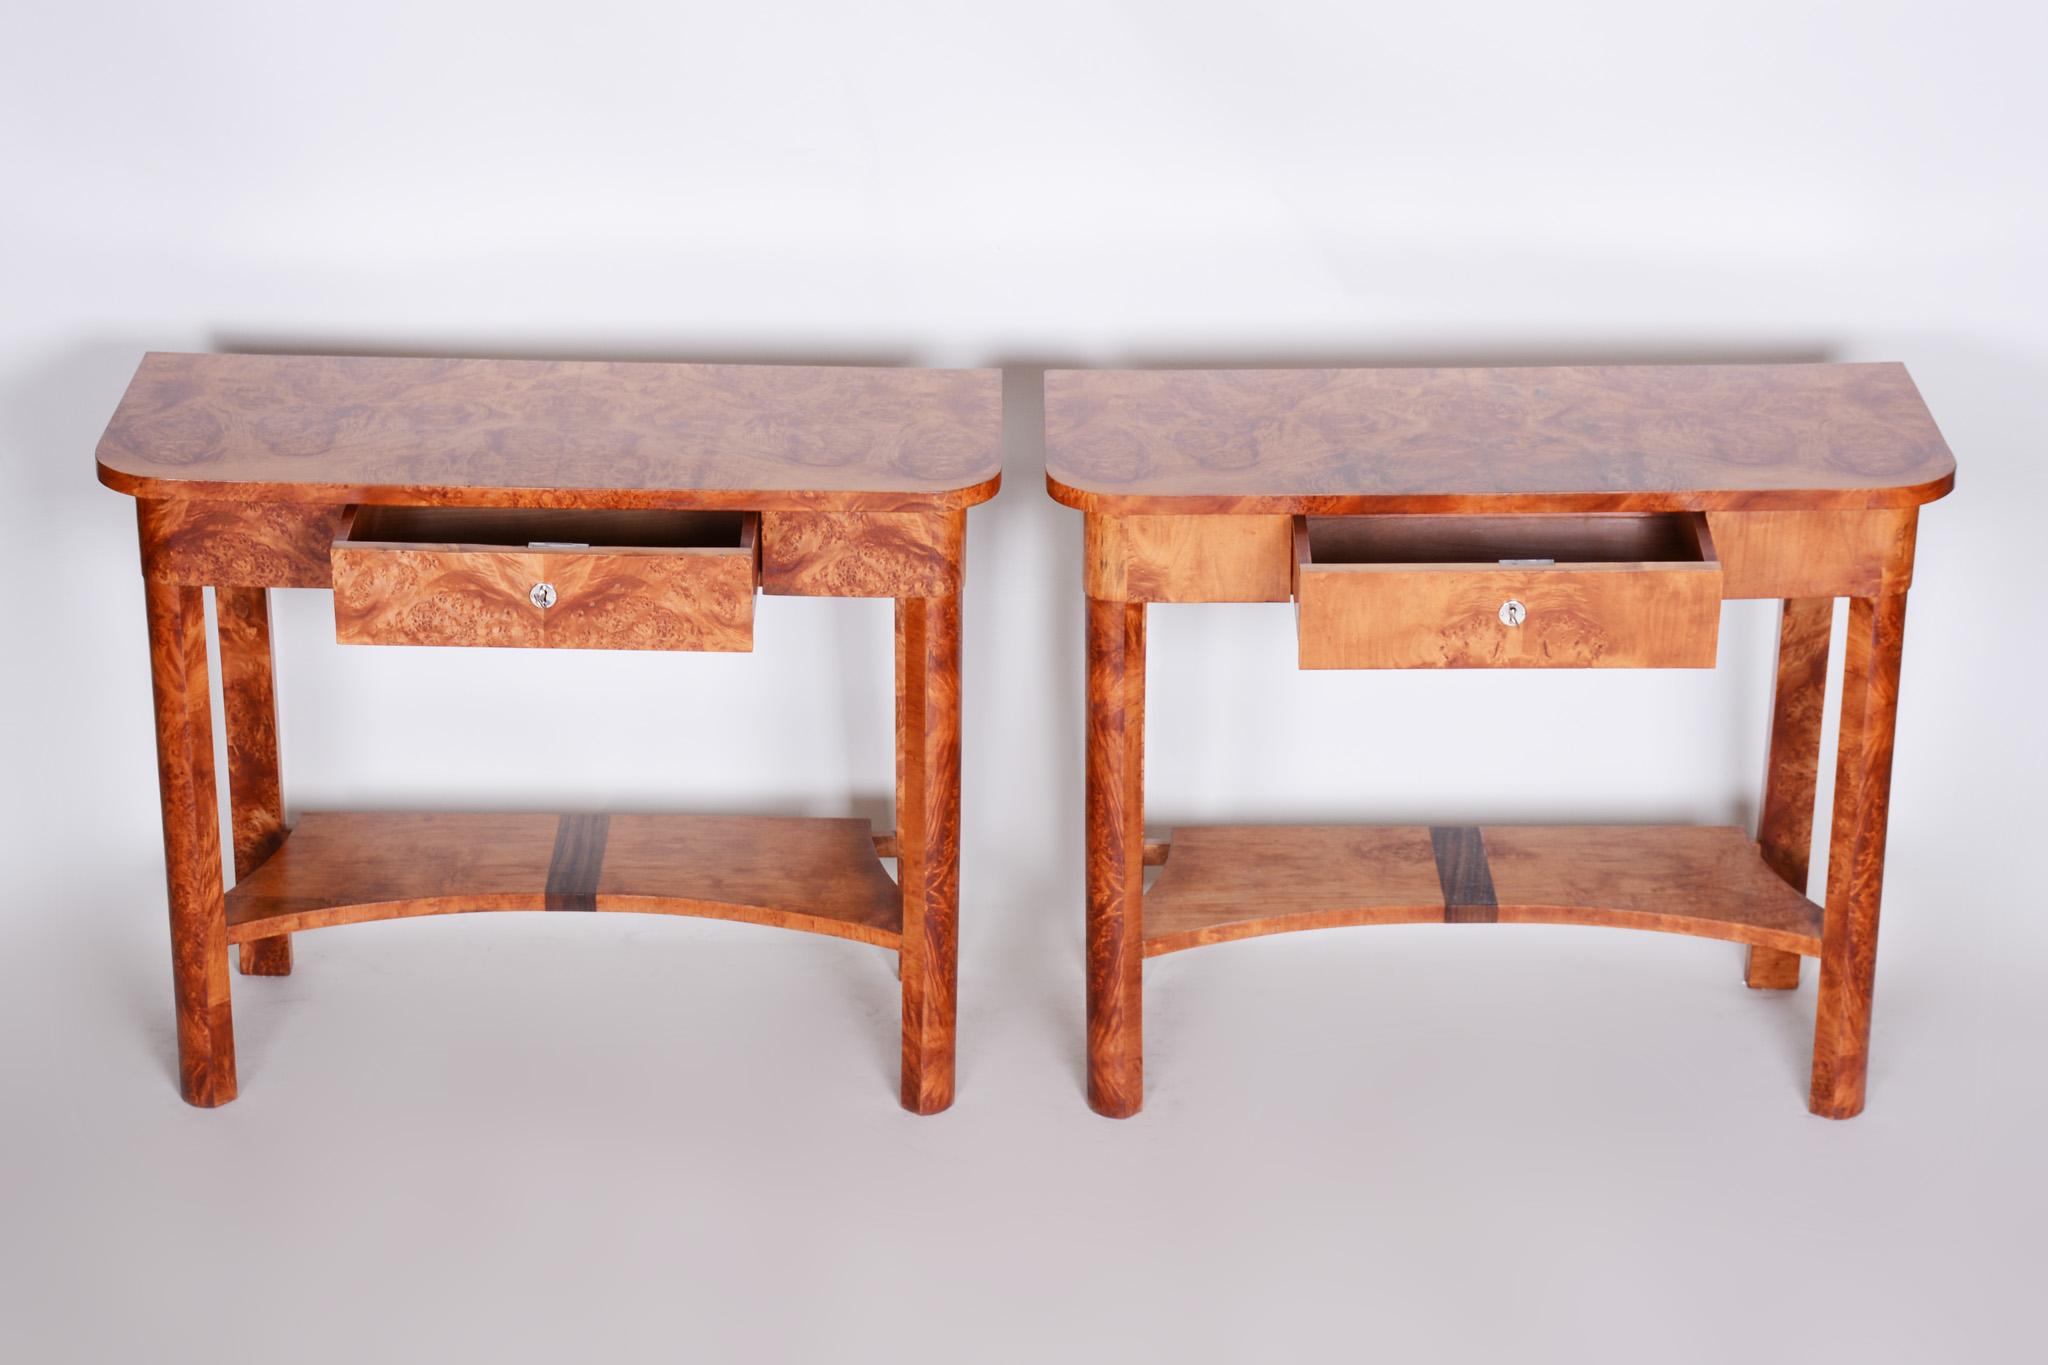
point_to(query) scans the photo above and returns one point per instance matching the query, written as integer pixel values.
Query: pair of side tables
(1486, 518)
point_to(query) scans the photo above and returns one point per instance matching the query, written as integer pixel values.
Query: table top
(546, 433)
(1565, 439)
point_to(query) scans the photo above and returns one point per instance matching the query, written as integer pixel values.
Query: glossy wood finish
(1427, 592)
(255, 779)
(1863, 774)
(1238, 558)
(1808, 480)
(1651, 438)
(1785, 828)
(862, 554)
(184, 747)
(231, 544)
(1188, 559)
(346, 867)
(664, 580)
(1222, 883)
(1116, 856)
(928, 841)
(1815, 554)
(544, 433)
(416, 488)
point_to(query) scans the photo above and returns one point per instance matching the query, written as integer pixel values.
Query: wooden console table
(546, 505)
(1505, 518)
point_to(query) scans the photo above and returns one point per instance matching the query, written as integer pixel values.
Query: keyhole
(1512, 612)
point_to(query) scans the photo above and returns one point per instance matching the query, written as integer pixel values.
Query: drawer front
(1478, 615)
(671, 598)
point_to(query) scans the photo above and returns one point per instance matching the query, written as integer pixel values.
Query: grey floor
(544, 1138)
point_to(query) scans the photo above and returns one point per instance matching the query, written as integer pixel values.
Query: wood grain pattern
(1605, 616)
(236, 544)
(433, 496)
(1582, 438)
(191, 811)
(391, 588)
(545, 433)
(928, 841)
(255, 778)
(818, 876)
(1799, 482)
(1815, 554)
(1785, 826)
(1188, 559)
(862, 554)
(1863, 775)
(1116, 856)
(1223, 883)
(1358, 609)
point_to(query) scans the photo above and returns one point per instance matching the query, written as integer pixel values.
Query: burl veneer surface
(551, 433)
(1238, 881)
(341, 867)
(1580, 438)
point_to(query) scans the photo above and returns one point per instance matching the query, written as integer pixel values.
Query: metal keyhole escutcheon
(1513, 613)
(543, 596)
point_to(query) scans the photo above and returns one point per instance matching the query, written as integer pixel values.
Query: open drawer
(546, 579)
(1599, 590)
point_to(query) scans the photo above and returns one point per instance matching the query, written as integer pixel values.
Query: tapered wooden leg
(1785, 830)
(199, 938)
(1863, 775)
(255, 787)
(928, 840)
(1116, 856)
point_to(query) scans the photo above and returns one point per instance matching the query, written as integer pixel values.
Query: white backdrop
(1033, 186)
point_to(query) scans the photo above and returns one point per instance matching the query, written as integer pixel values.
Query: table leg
(255, 789)
(1785, 830)
(1863, 774)
(928, 840)
(199, 931)
(1116, 856)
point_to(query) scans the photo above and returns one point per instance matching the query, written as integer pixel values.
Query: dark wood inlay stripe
(579, 854)
(1462, 871)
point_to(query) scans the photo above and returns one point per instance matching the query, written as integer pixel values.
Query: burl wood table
(545, 505)
(1503, 518)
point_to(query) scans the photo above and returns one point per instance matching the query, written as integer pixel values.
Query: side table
(550, 505)
(1588, 517)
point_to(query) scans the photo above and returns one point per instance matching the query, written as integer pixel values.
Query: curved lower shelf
(1226, 882)
(820, 876)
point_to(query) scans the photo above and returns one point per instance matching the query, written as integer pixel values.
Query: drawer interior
(1532, 541)
(545, 528)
